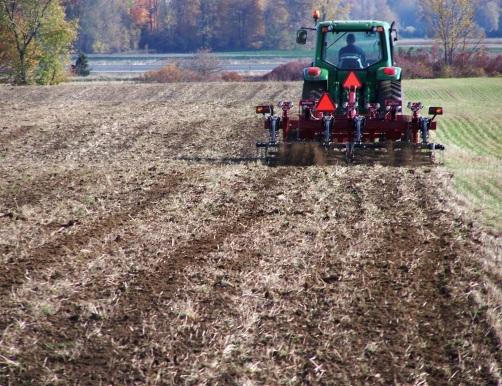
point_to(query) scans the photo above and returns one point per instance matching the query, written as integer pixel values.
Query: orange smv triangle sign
(352, 81)
(325, 104)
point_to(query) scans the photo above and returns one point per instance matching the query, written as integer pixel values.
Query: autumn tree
(245, 24)
(41, 38)
(22, 21)
(7, 49)
(278, 29)
(54, 41)
(105, 25)
(210, 23)
(184, 28)
(187, 26)
(452, 22)
(145, 13)
(254, 24)
(140, 15)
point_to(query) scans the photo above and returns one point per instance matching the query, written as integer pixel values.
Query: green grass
(472, 131)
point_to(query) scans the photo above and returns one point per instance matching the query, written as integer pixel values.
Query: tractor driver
(351, 48)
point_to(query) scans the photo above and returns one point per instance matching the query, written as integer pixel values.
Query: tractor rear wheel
(389, 90)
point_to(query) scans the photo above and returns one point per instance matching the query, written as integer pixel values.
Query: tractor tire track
(17, 192)
(410, 284)
(409, 315)
(52, 252)
(7, 136)
(140, 298)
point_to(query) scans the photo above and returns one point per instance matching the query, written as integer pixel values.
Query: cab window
(352, 50)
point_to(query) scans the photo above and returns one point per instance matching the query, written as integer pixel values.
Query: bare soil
(140, 243)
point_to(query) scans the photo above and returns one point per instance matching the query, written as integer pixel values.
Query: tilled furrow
(52, 252)
(141, 299)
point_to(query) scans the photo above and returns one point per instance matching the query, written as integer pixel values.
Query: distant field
(119, 66)
(472, 130)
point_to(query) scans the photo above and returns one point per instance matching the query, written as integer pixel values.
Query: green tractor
(352, 101)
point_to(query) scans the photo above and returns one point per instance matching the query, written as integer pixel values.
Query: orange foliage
(171, 73)
(139, 15)
(144, 12)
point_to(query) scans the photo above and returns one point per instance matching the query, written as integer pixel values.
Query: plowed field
(141, 244)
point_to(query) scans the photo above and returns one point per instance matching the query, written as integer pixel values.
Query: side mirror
(301, 36)
(393, 31)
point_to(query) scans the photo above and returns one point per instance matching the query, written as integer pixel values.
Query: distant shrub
(420, 64)
(287, 72)
(204, 66)
(478, 64)
(494, 67)
(231, 76)
(415, 65)
(170, 74)
(204, 63)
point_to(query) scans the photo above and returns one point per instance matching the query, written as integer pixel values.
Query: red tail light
(390, 71)
(314, 71)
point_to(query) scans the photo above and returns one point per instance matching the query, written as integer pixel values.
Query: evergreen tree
(82, 65)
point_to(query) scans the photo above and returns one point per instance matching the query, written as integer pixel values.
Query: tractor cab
(364, 48)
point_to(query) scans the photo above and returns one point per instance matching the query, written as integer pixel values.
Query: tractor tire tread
(389, 89)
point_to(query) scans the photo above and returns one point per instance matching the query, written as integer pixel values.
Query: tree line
(226, 25)
(37, 36)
